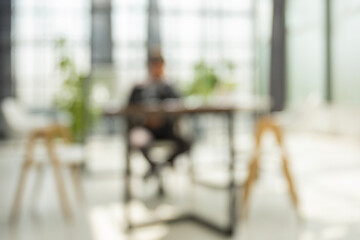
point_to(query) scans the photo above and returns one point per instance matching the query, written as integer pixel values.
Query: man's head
(156, 65)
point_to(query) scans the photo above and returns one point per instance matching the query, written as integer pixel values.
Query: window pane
(35, 27)
(306, 46)
(346, 59)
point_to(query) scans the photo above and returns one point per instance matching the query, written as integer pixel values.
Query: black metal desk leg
(232, 184)
(127, 180)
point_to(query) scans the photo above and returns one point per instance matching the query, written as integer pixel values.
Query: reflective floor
(326, 170)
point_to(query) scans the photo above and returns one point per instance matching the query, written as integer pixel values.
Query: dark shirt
(152, 93)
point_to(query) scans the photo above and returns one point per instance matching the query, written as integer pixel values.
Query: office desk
(178, 109)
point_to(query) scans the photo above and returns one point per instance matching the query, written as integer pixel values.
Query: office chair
(265, 124)
(40, 130)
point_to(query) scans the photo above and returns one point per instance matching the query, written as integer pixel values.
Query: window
(346, 52)
(190, 30)
(129, 24)
(36, 25)
(214, 31)
(306, 50)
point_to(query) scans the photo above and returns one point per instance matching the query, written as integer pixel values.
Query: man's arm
(135, 96)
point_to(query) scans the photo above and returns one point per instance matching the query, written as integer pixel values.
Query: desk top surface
(180, 108)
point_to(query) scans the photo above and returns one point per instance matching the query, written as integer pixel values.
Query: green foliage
(73, 95)
(205, 80)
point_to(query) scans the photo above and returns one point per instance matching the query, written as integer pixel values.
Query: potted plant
(205, 80)
(73, 97)
(208, 82)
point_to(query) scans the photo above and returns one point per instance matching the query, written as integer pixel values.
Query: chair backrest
(14, 115)
(17, 118)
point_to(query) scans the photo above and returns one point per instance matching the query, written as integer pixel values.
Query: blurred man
(154, 91)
